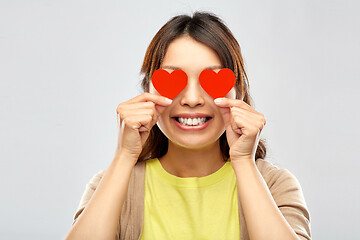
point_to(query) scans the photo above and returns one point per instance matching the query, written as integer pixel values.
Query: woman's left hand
(243, 127)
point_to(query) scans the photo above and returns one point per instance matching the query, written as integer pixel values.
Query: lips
(190, 127)
(178, 120)
(192, 115)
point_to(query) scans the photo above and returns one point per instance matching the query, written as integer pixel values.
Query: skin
(192, 153)
(197, 153)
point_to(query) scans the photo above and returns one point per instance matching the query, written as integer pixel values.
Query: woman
(174, 177)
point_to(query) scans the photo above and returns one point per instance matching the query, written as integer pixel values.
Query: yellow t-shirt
(190, 208)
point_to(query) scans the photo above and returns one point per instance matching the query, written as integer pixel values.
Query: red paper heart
(169, 85)
(217, 84)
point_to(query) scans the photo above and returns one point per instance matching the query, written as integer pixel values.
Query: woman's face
(192, 57)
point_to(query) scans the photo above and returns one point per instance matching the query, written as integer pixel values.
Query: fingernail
(168, 100)
(218, 100)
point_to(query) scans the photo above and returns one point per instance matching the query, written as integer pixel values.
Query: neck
(186, 162)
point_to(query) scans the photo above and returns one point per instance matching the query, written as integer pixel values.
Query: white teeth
(192, 121)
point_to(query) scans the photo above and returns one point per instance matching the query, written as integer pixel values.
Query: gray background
(66, 65)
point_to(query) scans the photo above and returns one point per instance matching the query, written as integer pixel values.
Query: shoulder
(288, 196)
(96, 178)
(89, 191)
(266, 166)
(275, 176)
(283, 185)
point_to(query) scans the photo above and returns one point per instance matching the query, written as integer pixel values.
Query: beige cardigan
(283, 185)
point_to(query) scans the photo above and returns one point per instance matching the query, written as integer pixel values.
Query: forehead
(185, 52)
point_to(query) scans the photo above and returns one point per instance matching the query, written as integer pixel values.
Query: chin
(191, 143)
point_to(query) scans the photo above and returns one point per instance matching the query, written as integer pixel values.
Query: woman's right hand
(137, 116)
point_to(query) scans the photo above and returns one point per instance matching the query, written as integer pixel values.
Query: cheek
(152, 89)
(162, 126)
(231, 94)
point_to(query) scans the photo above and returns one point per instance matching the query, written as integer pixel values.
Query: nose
(193, 95)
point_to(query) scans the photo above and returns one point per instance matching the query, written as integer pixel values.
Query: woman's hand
(137, 116)
(243, 127)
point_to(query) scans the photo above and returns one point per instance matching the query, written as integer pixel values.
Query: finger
(150, 97)
(247, 125)
(136, 122)
(241, 125)
(226, 115)
(256, 118)
(125, 110)
(159, 109)
(228, 102)
(142, 112)
(135, 105)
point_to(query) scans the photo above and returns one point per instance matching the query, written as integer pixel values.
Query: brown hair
(208, 29)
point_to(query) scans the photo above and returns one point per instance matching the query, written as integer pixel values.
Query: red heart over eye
(217, 84)
(169, 85)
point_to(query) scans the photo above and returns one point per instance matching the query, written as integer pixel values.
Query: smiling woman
(193, 102)
(207, 39)
(192, 167)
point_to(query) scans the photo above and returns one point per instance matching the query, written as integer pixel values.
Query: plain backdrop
(66, 65)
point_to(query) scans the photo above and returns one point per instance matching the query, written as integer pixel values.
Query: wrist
(124, 156)
(242, 162)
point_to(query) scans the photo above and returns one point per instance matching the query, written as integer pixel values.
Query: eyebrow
(176, 68)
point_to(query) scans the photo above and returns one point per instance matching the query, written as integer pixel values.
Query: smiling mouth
(178, 120)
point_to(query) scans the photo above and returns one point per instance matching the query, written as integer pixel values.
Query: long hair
(208, 29)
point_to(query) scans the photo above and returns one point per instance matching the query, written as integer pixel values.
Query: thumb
(160, 109)
(226, 115)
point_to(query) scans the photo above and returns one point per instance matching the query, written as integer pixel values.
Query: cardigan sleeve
(89, 191)
(288, 195)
